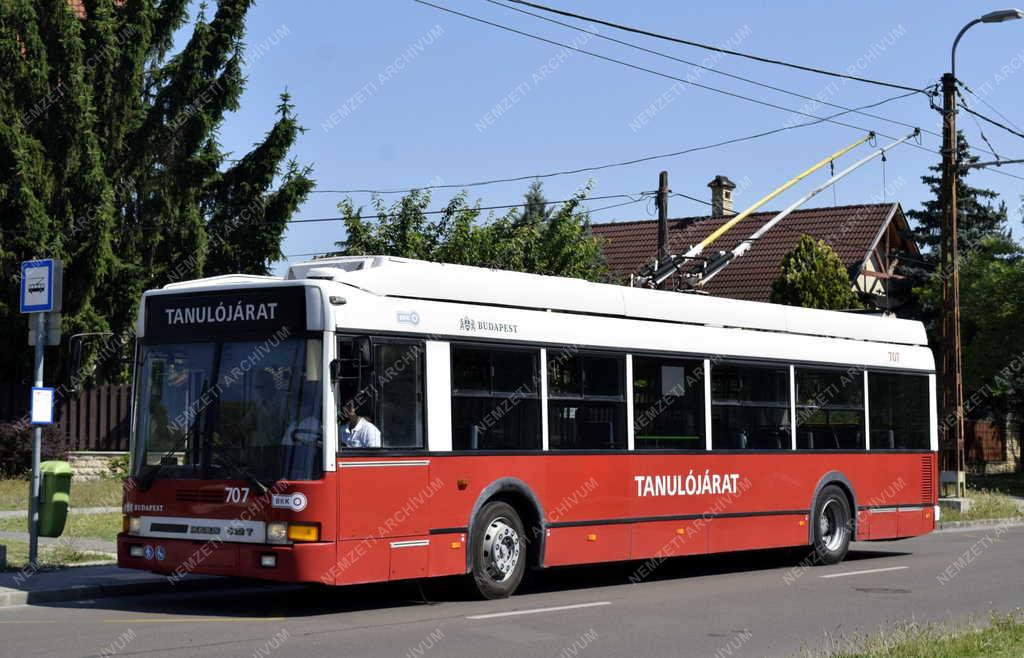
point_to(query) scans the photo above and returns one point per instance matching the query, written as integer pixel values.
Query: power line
(508, 206)
(610, 165)
(655, 72)
(710, 69)
(984, 137)
(829, 119)
(988, 105)
(586, 210)
(995, 123)
(758, 58)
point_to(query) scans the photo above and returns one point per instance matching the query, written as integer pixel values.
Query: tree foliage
(812, 275)
(109, 157)
(538, 238)
(979, 216)
(992, 313)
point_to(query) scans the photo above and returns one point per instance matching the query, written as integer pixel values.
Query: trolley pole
(37, 443)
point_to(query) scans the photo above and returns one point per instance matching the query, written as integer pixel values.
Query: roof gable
(852, 231)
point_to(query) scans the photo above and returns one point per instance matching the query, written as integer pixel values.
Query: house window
(750, 407)
(668, 403)
(586, 402)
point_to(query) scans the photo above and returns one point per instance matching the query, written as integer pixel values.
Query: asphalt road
(737, 605)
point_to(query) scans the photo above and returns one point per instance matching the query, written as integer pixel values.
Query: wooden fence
(95, 419)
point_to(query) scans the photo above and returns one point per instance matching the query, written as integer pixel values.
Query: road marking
(534, 611)
(858, 573)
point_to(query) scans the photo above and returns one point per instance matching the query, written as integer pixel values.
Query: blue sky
(396, 94)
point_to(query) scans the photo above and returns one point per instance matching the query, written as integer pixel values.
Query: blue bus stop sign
(41, 286)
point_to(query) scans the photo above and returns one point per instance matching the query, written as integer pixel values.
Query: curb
(12, 597)
(980, 523)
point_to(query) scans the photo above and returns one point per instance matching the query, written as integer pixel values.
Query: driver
(356, 431)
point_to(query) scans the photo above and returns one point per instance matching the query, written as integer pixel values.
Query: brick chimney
(721, 196)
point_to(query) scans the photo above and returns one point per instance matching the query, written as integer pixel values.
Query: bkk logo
(296, 501)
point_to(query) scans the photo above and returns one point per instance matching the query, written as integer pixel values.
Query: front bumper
(176, 558)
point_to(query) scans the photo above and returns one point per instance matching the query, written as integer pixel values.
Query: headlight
(134, 525)
(277, 533)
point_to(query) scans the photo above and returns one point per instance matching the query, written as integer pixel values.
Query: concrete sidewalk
(92, 582)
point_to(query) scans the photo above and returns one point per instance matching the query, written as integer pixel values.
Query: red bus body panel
(395, 518)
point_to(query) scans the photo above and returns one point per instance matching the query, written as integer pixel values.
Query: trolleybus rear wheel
(832, 526)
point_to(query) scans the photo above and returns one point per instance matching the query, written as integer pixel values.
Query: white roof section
(414, 279)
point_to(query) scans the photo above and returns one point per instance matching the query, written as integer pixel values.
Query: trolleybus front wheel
(499, 550)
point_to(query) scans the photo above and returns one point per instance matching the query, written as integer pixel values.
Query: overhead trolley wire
(653, 71)
(609, 165)
(987, 104)
(990, 120)
(705, 46)
(818, 119)
(712, 69)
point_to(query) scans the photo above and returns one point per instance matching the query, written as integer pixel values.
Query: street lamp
(952, 365)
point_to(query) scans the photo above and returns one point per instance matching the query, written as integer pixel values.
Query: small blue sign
(148, 550)
(161, 553)
(40, 283)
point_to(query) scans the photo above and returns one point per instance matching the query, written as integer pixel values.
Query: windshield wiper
(146, 481)
(246, 474)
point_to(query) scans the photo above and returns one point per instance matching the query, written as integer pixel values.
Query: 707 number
(236, 494)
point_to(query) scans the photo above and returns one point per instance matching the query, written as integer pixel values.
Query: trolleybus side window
(668, 403)
(379, 389)
(750, 407)
(898, 406)
(495, 399)
(586, 401)
(829, 409)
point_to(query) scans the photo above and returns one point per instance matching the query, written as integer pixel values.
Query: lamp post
(952, 365)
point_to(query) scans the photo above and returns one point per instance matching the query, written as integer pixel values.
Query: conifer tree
(109, 158)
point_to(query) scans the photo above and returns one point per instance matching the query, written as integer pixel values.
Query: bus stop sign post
(40, 294)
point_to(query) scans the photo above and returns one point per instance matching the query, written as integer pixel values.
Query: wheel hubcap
(832, 525)
(501, 549)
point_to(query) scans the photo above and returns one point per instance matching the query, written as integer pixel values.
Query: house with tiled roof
(868, 238)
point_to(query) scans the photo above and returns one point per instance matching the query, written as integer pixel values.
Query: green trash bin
(54, 497)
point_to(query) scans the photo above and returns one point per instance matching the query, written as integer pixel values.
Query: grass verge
(92, 526)
(1003, 637)
(87, 493)
(63, 554)
(985, 505)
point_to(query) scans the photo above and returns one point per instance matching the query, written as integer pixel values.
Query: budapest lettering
(221, 313)
(692, 484)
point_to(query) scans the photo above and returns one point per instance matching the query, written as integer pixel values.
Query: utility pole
(952, 414)
(662, 201)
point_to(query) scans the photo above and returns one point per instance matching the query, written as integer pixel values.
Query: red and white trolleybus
(367, 419)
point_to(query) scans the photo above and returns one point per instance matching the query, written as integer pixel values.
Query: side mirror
(335, 369)
(363, 350)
